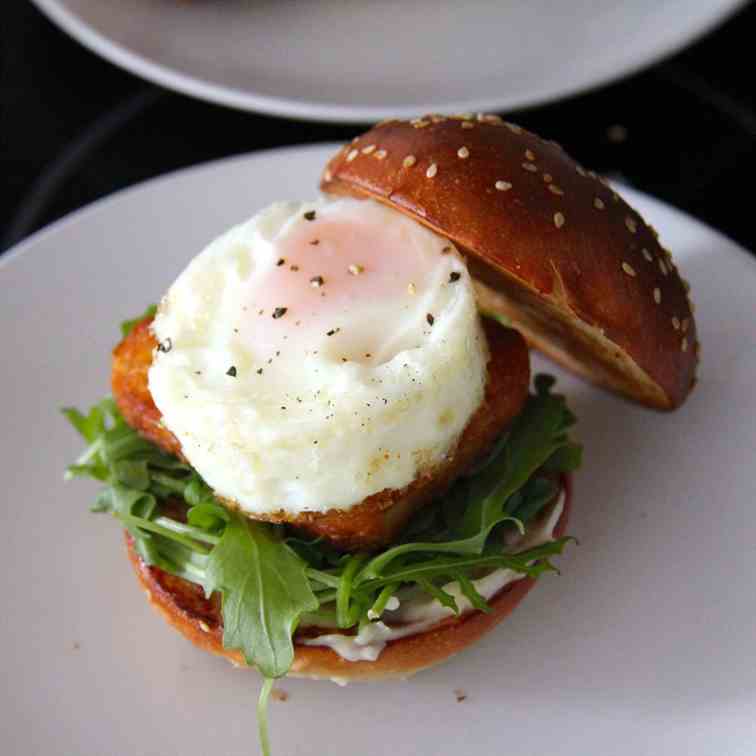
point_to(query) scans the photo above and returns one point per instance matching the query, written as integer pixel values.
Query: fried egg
(317, 354)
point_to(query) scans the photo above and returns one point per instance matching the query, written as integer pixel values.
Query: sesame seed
(657, 295)
(352, 155)
(489, 118)
(355, 270)
(628, 269)
(431, 320)
(548, 178)
(554, 189)
(204, 626)
(367, 150)
(409, 161)
(632, 225)
(684, 344)
(647, 255)
(380, 154)
(514, 128)
(559, 220)
(529, 155)
(316, 281)
(419, 123)
(432, 170)
(686, 285)
(411, 288)
(662, 267)
(467, 125)
(676, 323)
(463, 153)
(598, 203)
(327, 176)
(581, 171)
(279, 312)
(685, 325)
(503, 186)
(529, 167)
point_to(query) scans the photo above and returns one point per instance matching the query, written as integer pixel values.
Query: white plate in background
(365, 60)
(644, 645)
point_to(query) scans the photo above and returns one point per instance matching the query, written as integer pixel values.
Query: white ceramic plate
(366, 60)
(645, 644)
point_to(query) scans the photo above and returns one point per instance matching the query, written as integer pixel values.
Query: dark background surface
(74, 128)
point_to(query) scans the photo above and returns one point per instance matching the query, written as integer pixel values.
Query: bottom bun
(184, 606)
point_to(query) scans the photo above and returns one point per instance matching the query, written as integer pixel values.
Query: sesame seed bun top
(552, 247)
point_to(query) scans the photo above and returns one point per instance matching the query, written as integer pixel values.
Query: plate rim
(193, 86)
(237, 167)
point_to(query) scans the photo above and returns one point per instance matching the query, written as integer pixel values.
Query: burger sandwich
(324, 444)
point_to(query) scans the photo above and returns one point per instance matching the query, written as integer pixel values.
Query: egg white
(362, 382)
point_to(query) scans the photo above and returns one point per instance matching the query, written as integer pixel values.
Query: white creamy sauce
(421, 613)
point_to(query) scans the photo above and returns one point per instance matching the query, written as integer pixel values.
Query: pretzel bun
(185, 607)
(552, 247)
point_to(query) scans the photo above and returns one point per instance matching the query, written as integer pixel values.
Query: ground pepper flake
(454, 276)
(231, 371)
(165, 346)
(281, 261)
(431, 320)
(317, 281)
(279, 312)
(310, 215)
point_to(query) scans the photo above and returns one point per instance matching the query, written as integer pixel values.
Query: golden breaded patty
(377, 519)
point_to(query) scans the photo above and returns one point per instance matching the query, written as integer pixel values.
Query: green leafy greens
(270, 580)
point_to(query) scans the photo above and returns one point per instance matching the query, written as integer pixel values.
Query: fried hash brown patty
(377, 519)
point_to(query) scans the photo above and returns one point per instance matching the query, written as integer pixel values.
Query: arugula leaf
(127, 326)
(538, 432)
(265, 591)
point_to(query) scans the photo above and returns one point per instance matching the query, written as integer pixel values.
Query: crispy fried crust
(199, 619)
(377, 519)
(128, 380)
(557, 251)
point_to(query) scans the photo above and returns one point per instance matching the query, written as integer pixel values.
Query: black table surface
(74, 128)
